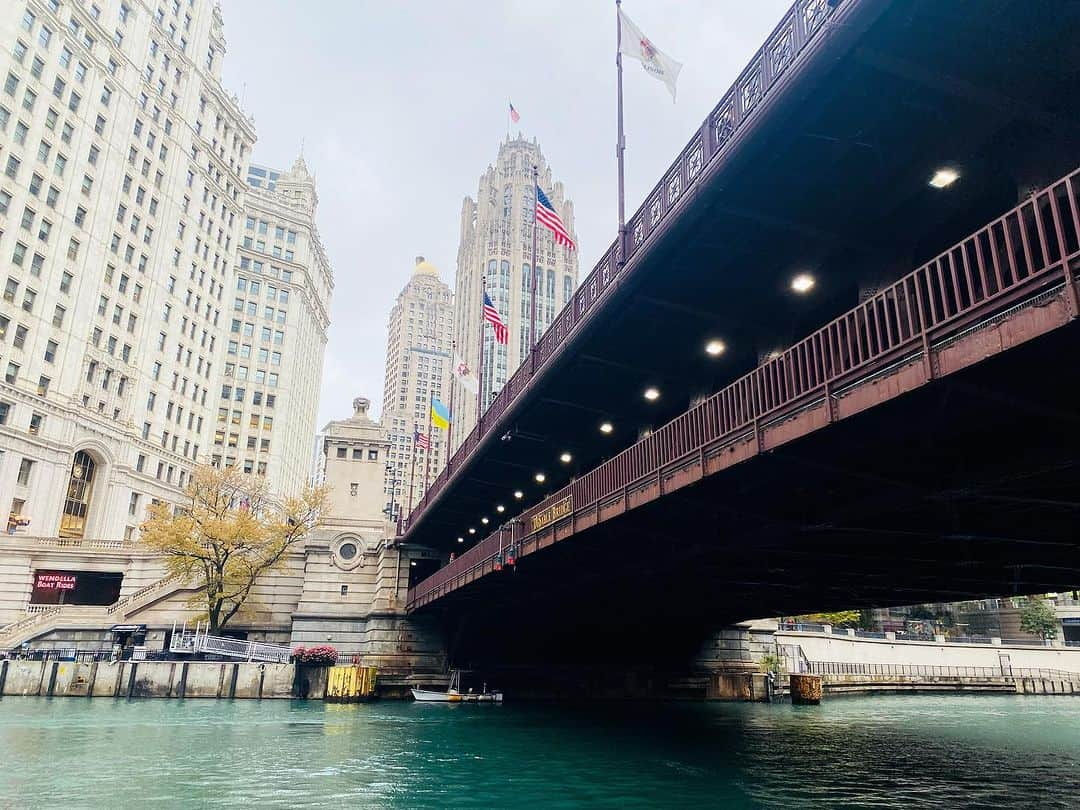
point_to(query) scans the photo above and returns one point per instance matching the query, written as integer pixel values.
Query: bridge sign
(549, 514)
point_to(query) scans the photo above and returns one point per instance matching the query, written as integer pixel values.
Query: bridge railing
(1029, 250)
(715, 137)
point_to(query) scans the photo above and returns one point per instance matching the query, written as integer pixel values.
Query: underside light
(500, 508)
(461, 539)
(540, 478)
(606, 427)
(803, 283)
(715, 348)
(412, 562)
(519, 494)
(484, 521)
(944, 177)
(652, 394)
(472, 530)
(566, 458)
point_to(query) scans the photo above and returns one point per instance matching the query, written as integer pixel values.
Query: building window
(342, 452)
(373, 455)
(25, 467)
(354, 488)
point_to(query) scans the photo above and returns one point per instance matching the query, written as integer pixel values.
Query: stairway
(90, 617)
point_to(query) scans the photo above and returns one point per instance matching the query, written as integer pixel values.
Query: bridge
(827, 366)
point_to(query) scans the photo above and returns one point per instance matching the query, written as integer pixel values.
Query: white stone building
(272, 369)
(344, 584)
(496, 245)
(124, 217)
(121, 193)
(419, 351)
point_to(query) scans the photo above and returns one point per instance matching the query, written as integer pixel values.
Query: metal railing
(970, 640)
(903, 670)
(713, 140)
(938, 671)
(188, 642)
(1021, 258)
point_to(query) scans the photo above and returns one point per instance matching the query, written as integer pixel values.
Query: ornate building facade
(419, 351)
(344, 584)
(121, 205)
(274, 352)
(495, 253)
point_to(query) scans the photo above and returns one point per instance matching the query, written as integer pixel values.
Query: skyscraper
(122, 206)
(418, 356)
(277, 333)
(495, 253)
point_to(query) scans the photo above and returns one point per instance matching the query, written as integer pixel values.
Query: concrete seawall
(149, 679)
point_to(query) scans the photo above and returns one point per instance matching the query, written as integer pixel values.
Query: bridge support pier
(730, 658)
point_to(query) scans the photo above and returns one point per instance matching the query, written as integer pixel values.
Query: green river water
(880, 752)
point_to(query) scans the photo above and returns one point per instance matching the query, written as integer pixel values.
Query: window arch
(77, 498)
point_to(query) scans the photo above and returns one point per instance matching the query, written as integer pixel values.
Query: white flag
(464, 375)
(656, 63)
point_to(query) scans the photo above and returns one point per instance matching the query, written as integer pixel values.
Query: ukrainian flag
(440, 415)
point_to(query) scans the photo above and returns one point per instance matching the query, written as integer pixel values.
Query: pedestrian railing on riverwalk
(938, 671)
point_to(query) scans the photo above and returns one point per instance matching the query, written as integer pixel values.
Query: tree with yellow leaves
(228, 533)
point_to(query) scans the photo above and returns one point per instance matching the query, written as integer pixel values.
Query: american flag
(546, 216)
(421, 440)
(491, 315)
(514, 116)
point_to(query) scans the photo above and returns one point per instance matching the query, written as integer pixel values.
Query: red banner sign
(55, 582)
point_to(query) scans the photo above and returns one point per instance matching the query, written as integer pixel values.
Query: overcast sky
(401, 107)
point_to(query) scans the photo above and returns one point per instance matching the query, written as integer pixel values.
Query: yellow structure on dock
(350, 683)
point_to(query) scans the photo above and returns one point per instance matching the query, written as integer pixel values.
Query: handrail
(785, 46)
(1024, 251)
(937, 670)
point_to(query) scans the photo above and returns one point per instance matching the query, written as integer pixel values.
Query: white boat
(453, 693)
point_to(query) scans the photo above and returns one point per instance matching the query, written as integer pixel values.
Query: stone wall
(157, 679)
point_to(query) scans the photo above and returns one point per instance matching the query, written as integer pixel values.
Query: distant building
(496, 250)
(279, 315)
(419, 352)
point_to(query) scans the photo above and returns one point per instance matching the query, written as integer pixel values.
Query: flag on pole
(440, 414)
(550, 219)
(657, 64)
(464, 375)
(491, 315)
(421, 440)
(514, 116)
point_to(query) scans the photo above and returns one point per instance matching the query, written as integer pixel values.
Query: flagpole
(480, 370)
(412, 469)
(453, 386)
(620, 145)
(532, 304)
(431, 442)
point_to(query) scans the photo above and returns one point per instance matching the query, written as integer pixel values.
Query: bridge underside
(966, 487)
(830, 176)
